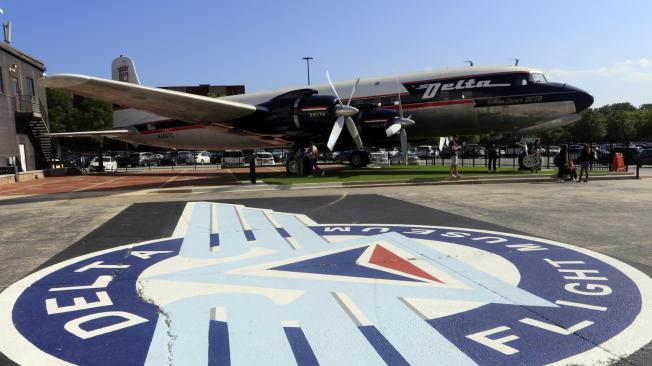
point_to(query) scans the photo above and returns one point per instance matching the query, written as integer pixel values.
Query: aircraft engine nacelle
(299, 115)
(373, 122)
(315, 113)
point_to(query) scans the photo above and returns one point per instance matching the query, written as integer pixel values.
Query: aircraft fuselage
(468, 100)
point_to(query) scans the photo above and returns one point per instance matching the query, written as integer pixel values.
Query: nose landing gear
(530, 157)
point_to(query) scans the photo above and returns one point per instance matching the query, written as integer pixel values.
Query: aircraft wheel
(292, 167)
(359, 159)
(528, 162)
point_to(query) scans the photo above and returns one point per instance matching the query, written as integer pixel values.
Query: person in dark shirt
(492, 155)
(561, 161)
(585, 161)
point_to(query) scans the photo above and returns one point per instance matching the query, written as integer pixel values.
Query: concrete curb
(370, 184)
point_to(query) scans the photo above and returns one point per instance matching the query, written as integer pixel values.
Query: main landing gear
(359, 159)
(299, 163)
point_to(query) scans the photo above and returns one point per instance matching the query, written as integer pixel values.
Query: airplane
(440, 102)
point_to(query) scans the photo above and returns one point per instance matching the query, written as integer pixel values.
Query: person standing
(561, 161)
(313, 153)
(585, 161)
(456, 150)
(492, 154)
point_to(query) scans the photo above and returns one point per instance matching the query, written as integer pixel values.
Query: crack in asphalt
(167, 320)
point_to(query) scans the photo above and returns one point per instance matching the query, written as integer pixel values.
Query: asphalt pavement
(606, 223)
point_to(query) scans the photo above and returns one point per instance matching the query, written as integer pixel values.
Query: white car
(264, 158)
(379, 158)
(413, 159)
(203, 157)
(109, 164)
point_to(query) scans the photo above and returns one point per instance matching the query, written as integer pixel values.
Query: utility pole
(308, 65)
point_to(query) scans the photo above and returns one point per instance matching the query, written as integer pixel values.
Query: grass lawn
(399, 172)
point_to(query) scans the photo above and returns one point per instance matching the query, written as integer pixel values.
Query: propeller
(400, 123)
(344, 114)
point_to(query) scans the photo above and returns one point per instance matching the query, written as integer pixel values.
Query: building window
(15, 86)
(30, 86)
(2, 82)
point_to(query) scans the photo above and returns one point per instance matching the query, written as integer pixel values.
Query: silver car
(379, 158)
(413, 159)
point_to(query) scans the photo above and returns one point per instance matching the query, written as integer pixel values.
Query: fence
(7, 170)
(603, 155)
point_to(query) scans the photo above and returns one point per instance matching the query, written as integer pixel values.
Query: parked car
(551, 151)
(202, 157)
(140, 159)
(233, 158)
(281, 155)
(185, 157)
(645, 157)
(155, 159)
(379, 158)
(264, 158)
(122, 160)
(574, 153)
(426, 151)
(330, 156)
(109, 164)
(513, 150)
(473, 151)
(216, 157)
(170, 159)
(413, 159)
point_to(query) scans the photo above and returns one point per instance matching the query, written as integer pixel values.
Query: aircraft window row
(538, 78)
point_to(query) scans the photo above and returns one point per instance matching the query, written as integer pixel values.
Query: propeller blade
(400, 105)
(357, 81)
(404, 146)
(393, 129)
(335, 132)
(328, 77)
(350, 125)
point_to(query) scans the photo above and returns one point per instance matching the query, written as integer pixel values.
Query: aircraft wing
(176, 105)
(106, 133)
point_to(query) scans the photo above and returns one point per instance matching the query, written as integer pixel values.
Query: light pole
(308, 65)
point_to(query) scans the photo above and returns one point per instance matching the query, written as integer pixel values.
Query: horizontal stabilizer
(172, 104)
(107, 133)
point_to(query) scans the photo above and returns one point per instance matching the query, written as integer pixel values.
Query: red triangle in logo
(384, 258)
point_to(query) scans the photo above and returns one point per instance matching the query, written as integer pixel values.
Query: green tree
(621, 125)
(644, 124)
(592, 127)
(92, 115)
(60, 109)
(68, 113)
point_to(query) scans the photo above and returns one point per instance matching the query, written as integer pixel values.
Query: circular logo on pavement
(238, 285)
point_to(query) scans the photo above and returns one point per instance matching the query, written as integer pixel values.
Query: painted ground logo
(237, 285)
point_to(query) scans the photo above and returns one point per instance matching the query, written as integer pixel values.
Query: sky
(604, 47)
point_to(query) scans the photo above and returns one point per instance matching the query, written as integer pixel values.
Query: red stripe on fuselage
(180, 128)
(431, 104)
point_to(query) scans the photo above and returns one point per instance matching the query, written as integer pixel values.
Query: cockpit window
(538, 78)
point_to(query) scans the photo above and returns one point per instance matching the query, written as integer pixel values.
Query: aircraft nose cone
(345, 110)
(583, 100)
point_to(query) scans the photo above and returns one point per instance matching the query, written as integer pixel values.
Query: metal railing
(28, 104)
(602, 159)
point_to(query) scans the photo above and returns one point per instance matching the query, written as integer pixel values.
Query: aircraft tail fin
(123, 69)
